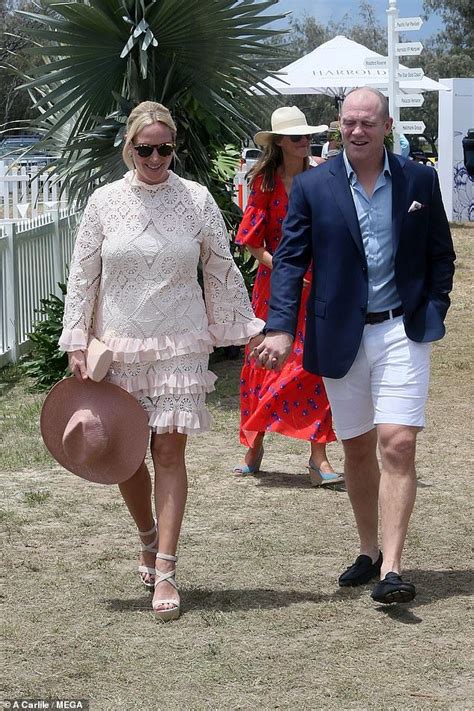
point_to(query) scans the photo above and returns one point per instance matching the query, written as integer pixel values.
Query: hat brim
(263, 138)
(125, 417)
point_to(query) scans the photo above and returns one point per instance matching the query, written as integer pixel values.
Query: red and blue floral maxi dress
(291, 401)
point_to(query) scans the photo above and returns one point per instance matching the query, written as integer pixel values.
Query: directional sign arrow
(23, 208)
(410, 100)
(406, 24)
(408, 49)
(376, 62)
(411, 74)
(410, 127)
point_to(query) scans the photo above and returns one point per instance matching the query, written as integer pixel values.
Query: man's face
(363, 127)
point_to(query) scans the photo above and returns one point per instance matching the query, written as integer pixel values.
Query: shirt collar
(351, 174)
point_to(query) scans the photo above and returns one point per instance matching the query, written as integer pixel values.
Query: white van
(249, 157)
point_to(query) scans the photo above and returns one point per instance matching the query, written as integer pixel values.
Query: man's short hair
(384, 108)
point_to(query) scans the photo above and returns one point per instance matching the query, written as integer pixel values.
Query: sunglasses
(297, 139)
(145, 150)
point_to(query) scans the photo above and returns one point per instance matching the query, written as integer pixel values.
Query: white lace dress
(133, 284)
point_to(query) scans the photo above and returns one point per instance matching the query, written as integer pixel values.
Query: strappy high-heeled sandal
(168, 613)
(149, 548)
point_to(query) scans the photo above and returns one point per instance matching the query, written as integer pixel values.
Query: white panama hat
(287, 121)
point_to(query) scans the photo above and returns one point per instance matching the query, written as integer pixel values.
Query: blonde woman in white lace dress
(133, 285)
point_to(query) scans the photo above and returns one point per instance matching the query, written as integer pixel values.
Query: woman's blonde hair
(145, 114)
(267, 164)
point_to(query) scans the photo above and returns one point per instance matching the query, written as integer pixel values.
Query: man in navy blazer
(374, 226)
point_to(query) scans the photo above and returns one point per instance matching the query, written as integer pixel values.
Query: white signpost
(410, 74)
(410, 126)
(376, 62)
(408, 100)
(405, 24)
(397, 49)
(408, 49)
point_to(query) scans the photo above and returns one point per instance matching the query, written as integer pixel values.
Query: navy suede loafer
(361, 572)
(393, 589)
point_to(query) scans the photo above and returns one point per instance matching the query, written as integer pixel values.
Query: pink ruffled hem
(140, 350)
(189, 423)
(235, 334)
(165, 384)
(73, 340)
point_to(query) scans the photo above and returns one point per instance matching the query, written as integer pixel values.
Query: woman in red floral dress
(290, 401)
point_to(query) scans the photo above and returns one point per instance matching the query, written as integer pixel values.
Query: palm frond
(101, 57)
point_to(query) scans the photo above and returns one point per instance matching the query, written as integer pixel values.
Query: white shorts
(387, 383)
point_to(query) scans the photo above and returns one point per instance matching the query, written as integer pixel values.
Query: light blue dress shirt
(375, 221)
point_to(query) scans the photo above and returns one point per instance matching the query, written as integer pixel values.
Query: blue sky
(325, 10)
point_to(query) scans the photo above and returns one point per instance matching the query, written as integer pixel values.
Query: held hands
(77, 365)
(272, 350)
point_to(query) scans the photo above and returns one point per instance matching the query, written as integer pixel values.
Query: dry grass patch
(264, 624)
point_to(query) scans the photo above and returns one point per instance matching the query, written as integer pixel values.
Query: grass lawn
(264, 624)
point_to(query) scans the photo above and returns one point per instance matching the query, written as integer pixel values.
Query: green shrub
(46, 364)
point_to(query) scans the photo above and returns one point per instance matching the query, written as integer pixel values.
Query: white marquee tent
(336, 67)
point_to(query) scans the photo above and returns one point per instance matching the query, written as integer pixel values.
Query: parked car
(316, 149)
(16, 143)
(249, 157)
(422, 151)
(13, 146)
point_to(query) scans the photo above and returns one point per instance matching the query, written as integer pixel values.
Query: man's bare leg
(362, 476)
(397, 446)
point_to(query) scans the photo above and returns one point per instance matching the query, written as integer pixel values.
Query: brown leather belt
(381, 316)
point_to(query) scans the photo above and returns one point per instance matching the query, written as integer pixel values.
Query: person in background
(404, 146)
(133, 285)
(290, 401)
(375, 228)
(333, 145)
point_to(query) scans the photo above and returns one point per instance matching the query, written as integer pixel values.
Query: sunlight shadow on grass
(285, 480)
(432, 585)
(238, 599)
(400, 613)
(435, 585)
(135, 604)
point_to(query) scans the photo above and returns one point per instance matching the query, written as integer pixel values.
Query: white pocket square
(415, 206)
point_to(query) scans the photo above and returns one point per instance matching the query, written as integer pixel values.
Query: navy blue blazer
(322, 225)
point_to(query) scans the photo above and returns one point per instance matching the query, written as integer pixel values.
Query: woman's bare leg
(171, 489)
(136, 493)
(319, 458)
(252, 454)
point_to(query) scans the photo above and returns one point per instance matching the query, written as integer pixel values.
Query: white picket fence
(24, 192)
(34, 256)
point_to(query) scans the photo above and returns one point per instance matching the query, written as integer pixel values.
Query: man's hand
(255, 341)
(273, 350)
(77, 365)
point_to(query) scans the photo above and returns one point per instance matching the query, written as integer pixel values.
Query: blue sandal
(319, 478)
(245, 469)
